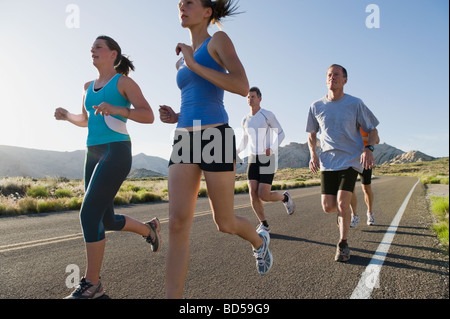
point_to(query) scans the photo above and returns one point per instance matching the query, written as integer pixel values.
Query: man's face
(335, 78)
(253, 99)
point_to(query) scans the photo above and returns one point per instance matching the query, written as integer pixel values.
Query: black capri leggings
(106, 168)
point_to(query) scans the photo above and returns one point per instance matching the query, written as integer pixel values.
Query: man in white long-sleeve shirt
(263, 134)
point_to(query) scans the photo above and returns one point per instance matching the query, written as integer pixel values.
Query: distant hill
(17, 161)
(296, 155)
(25, 162)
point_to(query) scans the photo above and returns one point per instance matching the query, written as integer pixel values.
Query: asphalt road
(40, 254)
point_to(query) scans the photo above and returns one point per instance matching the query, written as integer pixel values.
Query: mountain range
(25, 162)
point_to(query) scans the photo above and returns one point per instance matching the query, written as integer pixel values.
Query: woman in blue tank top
(203, 140)
(106, 109)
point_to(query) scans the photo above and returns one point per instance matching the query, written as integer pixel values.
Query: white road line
(54, 240)
(370, 278)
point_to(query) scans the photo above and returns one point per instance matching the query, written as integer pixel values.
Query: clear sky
(399, 68)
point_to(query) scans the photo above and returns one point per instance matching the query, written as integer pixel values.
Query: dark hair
(340, 66)
(220, 9)
(122, 64)
(257, 91)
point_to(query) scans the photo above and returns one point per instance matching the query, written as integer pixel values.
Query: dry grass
(25, 195)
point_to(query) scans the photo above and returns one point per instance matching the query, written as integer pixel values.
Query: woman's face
(192, 12)
(101, 54)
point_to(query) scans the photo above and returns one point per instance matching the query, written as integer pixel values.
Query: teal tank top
(106, 129)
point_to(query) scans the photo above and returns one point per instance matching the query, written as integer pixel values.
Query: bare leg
(184, 183)
(257, 204)
(94, 256)
(221, 194)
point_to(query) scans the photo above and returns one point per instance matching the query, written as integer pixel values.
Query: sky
(396, 54)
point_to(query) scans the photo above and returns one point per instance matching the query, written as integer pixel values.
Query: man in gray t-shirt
(338, 118)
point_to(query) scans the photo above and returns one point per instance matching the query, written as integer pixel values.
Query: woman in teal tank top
(106, 109)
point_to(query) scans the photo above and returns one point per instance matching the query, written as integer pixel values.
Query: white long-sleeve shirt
(263, 131)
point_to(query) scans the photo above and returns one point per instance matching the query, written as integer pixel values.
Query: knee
(329, 208)
(254, 195)
(114, 222)
(264, 195)
(226, 227)
(179, 224)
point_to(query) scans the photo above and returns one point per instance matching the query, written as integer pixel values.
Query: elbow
(151, 119)
(243, 89)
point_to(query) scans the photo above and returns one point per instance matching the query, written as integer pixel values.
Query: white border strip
(370, 278)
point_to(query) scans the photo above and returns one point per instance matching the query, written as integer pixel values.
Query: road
(36, 251)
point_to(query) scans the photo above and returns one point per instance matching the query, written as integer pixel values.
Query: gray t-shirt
(339, 123)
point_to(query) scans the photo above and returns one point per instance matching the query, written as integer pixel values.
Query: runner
(338, 117)
(105, 111)
(259, 127)
(209, 67)
(366, 185)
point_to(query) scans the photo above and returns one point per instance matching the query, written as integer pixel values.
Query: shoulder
(220, 36)
(319, 102)
(353, 99)
(220, 40)
(124, 82)
(87, 85)
(267, 114)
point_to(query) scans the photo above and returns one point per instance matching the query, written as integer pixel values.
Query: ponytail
(123, 65)
(220, 9)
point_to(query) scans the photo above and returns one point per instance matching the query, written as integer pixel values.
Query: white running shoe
(261, 227)
(370, 219)
(355, 221)
(290, 205)
(264, 259)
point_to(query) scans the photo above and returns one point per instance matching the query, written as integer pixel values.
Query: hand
(367, 159)
(61, 114)
(314, 164)
(188, 54)
(105, 109)
(268, 152)
(167, 114)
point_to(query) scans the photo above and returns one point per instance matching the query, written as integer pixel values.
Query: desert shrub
(38, 191)
(61, 193)
(28, 205)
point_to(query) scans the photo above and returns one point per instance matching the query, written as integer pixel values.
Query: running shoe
(154, 238)
(261, 227)
(289, 204)
(370, 219)
(342, 253)
(264, 259)
(86, 290)
(355, 221)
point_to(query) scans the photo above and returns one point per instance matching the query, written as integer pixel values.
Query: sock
(343, 243)
(264, 222)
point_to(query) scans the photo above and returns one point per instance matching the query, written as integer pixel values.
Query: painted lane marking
(370, 277)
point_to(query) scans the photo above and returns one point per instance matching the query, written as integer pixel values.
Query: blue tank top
(106, 129)
(200, 99)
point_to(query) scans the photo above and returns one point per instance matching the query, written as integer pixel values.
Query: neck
(105, 74)
(255, 109)
(335, 95)
(198, 36)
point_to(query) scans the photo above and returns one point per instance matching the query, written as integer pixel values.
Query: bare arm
(314, 163)
(367, 158)
(81, 120)
(222, 49)
(142, 112)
